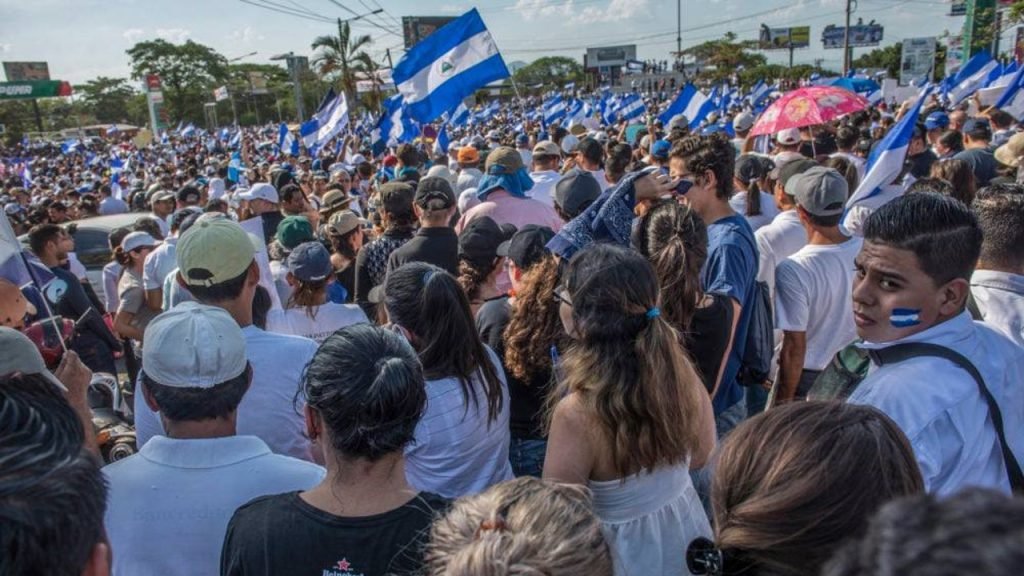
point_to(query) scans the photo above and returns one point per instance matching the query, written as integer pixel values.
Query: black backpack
(850, 366)
(756, 364)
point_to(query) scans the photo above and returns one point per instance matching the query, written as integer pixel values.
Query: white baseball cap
(788, 137)
(193, 346)
(137, 240)
(261, 191)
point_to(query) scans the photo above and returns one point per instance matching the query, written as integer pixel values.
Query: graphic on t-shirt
(341, 568)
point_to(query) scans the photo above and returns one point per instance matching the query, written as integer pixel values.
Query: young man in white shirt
(812, 287)
(998, 282)
(589, 156)
(170, 504)
(161, 261)
(546, 158)
(785, 234)
(217, 265)
(911, 286)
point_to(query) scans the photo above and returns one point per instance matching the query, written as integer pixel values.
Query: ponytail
(753, 199)
(123, 258)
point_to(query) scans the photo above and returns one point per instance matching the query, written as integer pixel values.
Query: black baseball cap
(527, 246)
(434, 192)
(189, 195)
(479, 240)
(576, 190)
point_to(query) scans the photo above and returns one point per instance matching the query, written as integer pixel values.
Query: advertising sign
(258, 83)
(954, 54)
(26, 71)
(35, 89)
(609, 56)
(917, 60)
(784, 38)
(152, 83)
(416, 28)
(860, 35)
(957, 8)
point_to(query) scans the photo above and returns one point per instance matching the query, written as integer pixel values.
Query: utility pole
(679, 27)
(846, 38)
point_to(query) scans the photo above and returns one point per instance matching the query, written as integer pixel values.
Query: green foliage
(187, 72)
(342, 58)
(550, 71)
(109, 100)
(887, 58)
(725, 56)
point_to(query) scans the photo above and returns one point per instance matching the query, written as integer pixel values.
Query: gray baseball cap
(819, 190)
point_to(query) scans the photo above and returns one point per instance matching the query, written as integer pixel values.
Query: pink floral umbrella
(807, 107)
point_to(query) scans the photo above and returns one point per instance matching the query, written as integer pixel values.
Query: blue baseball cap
(522, 139)
(310, 262)
(660, 149)
(936, 120)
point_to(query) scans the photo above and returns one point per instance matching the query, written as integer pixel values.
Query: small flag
(287, 143)
(112, 129)
(221, 94)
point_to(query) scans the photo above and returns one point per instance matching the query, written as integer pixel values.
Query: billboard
(917, 60)
(610, 56)
(860, 35)
(954, 54)
(416, 28)
(783, 38)
(258, 83)
(26, 71)
(34, 89)
(957, 7)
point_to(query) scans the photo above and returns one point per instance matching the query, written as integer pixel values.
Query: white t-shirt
(159, 263)
(279, 272)
(543, 189)
(329, 318)
(169, 505)
(111, 276)
(601, 180)
(776, 242)
(455, 451)
(769, 210)
(268, 409)
(858, 162)
(468, 178)
(814, 294)
(526, 155)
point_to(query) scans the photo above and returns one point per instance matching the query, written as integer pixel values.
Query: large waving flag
(886, 161)
(692, 103)
(554, 110)
(448, 66)
(334, 122)
(18, 267)
(395, 125)
(1012, 100)
(972, 76)
(459, 116)
(632, 106)
(286, 141)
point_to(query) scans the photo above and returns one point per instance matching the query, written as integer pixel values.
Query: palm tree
(342, 57)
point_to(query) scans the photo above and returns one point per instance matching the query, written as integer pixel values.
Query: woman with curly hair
(480, 266)
(630, 415)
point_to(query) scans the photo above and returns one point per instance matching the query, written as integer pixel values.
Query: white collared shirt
(268, 409)
(1000, 298)
(939, 408)
(169, 505)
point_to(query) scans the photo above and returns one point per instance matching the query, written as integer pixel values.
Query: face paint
(905, 317)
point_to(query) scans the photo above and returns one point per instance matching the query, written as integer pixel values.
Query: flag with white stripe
(448, 66)
(632, 106)
(1012, 100)
(972, 76)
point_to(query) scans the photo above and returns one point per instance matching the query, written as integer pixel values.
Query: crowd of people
(550, 350)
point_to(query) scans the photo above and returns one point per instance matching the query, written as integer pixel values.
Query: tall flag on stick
(448, 66)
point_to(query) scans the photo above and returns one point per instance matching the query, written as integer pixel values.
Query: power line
(284, 10)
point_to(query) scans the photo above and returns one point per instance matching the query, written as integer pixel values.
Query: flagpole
(46, 304)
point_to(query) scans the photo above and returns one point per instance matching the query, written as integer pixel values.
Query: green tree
(341, 58)
(187, 72)
(107, 99)
(550, 71)
(719, 59)
(887, 58)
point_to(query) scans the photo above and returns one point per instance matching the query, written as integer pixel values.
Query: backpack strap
(901, 352)
(972, 307)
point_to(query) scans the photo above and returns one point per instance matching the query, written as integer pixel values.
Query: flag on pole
(221, 94)
(448, 66)
(972, 76)
(1012, 100)
(632, 106)
(334, 122)
(395, 126)
(459, 116)
(443, 142)
(14, 264)
(188, 131)
(886, 161)
(235, 168)
(690, 102)
(112, 129)
(287, 143)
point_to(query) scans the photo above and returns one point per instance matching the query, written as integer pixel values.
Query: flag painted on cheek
(905, 317)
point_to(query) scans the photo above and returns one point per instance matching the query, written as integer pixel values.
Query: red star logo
(343, 565)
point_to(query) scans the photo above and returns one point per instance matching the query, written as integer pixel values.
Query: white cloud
(173, 35)
(246, 36)
(133, 34)
(453, 9)
(6, 47)
(530, 9)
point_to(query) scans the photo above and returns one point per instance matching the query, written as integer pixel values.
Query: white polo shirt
(1000, 298)
(776, 242)
(268, 410)
(813, 294)
(939, 408)
(169, 505)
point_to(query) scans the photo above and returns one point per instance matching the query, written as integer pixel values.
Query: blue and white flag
(188, 131)
(759, 92)
(235, 168)
(448, 66)
(1012, 100)
(972, 76)
(554, 110)
(570, 85)
(692, 103)
(459, 116)
(632, 106)
(334, 122)
(69, 146)
(18, 266)
(395, 125)
(1007, 75)
(26, 176)
(874, 97)
(443, 142)
(287, 143)
(236, 139)
(116, 167)
(886, 161)
(112, 129)
(308, 133)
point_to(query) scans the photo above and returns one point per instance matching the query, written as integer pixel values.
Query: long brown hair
(792, 483)
(627, 365)
(307, 295)
(959, 174)
(674, 240)
(535, 325)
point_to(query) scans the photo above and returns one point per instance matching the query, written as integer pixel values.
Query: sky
(83, 39)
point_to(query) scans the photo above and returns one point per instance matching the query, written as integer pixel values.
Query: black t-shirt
(347, 278)
(708, 337)
(982, 162)
(921, 164)
(282, 534)
(438, 246)
(526, 405)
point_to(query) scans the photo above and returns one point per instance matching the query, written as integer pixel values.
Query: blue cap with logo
(936, 120)
(660, 149)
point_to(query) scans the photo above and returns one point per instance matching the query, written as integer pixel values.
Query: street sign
(34, 89)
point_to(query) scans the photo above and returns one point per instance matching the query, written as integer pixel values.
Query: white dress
(650, 519)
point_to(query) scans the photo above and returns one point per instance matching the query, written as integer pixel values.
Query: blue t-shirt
(731, 269)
